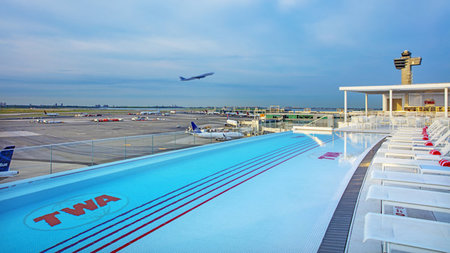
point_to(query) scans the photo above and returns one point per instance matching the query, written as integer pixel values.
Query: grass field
(39, 112)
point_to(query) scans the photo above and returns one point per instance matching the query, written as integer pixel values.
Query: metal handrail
(100, 140)
(314, 121)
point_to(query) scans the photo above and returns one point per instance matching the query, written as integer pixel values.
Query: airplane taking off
(5, 160)
(196, 77)
(215, 135)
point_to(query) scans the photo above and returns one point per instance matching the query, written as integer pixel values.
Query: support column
(345, 107)
(345, 144)
(446, 102)
(390, 103)
(367, 110)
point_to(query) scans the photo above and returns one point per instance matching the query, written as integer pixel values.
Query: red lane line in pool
(247, 161)
(157, 218)
(94, 234)
(111, 233)
(192, 208)
(189, 210)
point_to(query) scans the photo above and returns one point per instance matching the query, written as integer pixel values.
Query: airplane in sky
(5, 160)
(215, 135)
(196, 77)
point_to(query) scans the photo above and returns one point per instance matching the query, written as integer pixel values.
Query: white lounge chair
(419, 144)
(415, 130)
(432, 131)
(410, 198)
(419, 139)
(409, 154)
(407, 234)
(418, 130)
(415, 154)
(434, 169)
(405, 163)
(410, 179)
(434, 136)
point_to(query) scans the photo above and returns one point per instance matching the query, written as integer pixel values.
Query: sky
(280, 52)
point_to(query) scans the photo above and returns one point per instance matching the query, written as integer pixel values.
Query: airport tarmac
(35, 157)
(26, 132)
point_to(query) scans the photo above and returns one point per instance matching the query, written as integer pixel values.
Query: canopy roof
(406, 88)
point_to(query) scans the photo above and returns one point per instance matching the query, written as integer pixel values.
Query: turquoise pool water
(262, 194)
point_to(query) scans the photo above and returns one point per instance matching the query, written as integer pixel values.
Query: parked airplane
(5, 160)
(107, 120)
(150, 113)
(196, 77)
(44, 121)
(215, 135)
(51, 114)
(140, 118)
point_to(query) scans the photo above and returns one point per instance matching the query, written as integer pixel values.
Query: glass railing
(324, 121)
(47, 159)
(276, 126)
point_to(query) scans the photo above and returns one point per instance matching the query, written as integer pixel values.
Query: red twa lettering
(102, 200)
(330, 155)
(78, 209)
(49, 218)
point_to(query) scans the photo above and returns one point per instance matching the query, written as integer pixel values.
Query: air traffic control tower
(404, 64)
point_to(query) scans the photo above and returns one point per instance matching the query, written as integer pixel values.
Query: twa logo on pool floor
(330, 155)
(75, 212)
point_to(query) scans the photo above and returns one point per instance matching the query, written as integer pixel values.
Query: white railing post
(446, 102)
(125, 147)
(92, 152)
(390, 104)
(345, 107)
(51, 159)
(367, 110)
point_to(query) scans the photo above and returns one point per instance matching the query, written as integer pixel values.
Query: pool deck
(355, 240)
(379, 130)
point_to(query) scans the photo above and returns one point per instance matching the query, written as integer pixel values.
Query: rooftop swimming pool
(262, 194)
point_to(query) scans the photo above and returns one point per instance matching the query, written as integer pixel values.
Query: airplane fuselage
(196, 77)
(219, 135)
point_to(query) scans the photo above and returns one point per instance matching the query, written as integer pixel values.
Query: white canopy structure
(404, 89)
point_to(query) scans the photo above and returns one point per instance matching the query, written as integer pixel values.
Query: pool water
(262, 194)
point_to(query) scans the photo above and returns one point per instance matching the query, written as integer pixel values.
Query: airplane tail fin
(6, 157)
(194, 127)
(182, 78)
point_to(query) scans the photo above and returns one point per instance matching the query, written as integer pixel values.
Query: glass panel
(30, 162)
(108, 150)
(43, 160)
(163, 142)
(138, 146)
(70, 156)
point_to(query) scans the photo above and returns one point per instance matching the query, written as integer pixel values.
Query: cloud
(260, 49)
(28, 55)
(287, 5)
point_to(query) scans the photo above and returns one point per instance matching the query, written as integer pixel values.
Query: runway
(25, 133)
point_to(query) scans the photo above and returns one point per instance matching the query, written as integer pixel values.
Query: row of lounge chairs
(414, 173)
